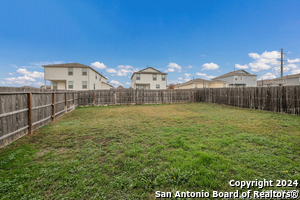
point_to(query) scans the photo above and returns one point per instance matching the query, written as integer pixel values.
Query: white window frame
(254, 78)
(55, 85)
(154, 77)
(236, 78)
(138, 76)
(163, 77)
(70, 71)
(84, 85)
(137, 86)
(84, 71)
(195, 85)
(158, 86)
(96, 76)
(224, 84)
(142, 87)
(72, 85)
(204, 85)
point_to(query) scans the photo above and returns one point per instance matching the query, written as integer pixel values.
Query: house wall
(61, 85)
(58, 74)
(246, 79)
(294, 81)
(148, 79)
(218, 85)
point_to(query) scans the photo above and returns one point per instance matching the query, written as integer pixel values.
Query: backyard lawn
(130, 152)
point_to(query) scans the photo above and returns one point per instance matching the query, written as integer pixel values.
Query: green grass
(129, 152)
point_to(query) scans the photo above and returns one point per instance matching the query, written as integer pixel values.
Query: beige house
(201, 83)
(239, 78)
(149, 78)
(74, 76)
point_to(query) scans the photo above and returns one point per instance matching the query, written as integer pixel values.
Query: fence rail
(22, 113)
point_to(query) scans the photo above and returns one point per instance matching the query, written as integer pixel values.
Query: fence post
(179, 96)
(94, 99)
(74, 100)
(30, 128)
(66, 103)
(137, 97)
(162, 97)
(53, 107)
(115, 95)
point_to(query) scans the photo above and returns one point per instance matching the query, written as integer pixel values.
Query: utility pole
(281, 60)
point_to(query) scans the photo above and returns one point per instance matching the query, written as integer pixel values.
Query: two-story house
(201, 83)
(239, 78)
(289, 79)
(74, 76)
(149, 78)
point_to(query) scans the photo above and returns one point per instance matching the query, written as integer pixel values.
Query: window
(137, 86)
(236, 78)
(84, 71)
(195, 85)
(138, 77)
(163, 77)
(55, 85)
(70, 71)
(241, 78)
(96, 76)
(254, 78)
(70, 84)
(204, 85)
(142, 87)
(84, 85)
(224, 85)
(154, 77)
(94, 86)
(99, 78)
(157, 86)
(299, 79)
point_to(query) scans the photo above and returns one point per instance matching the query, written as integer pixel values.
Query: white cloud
(254, 55)
(203, 55)
(172, 67)
(189, 67)
(241, 66)
(294, 61)
(187, 77)
(22, 80)
(33, 74)
(256, 67)
(292, 66)
(38, 84)
(205, 76)
(210, 66)
(127, 83)
(10, 74)
(111, 71)
(3, 83)
(267, 76)
(263, 61)
(98, 65)
(115, 83)
(180, 78)
(125, 66)
(295, 71)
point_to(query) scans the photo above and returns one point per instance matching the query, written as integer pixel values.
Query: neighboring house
(270, 82)
(74, 76)
(201, 83)
(291, 79)
(239, 78)
(120, 87)
(149, 78)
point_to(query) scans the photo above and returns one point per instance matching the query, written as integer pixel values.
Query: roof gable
(149, 69)
(234, 73)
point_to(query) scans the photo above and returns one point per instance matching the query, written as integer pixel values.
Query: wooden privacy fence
(22, 113)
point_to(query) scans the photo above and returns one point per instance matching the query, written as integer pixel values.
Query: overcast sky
(186, 39)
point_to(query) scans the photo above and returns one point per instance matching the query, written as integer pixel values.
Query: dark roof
(288, 76)
(141, 72)
(237, 72)
(199, 80)
(73, 65)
